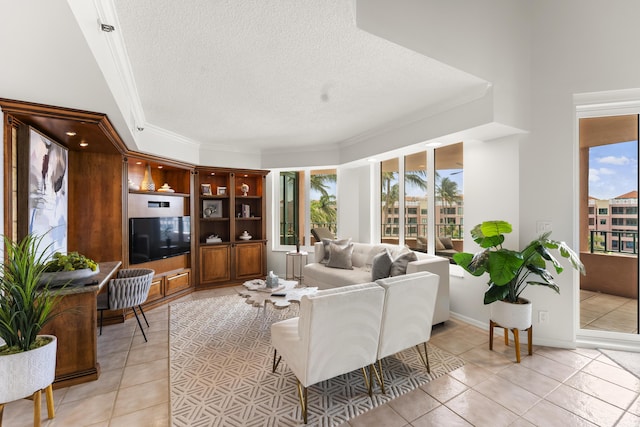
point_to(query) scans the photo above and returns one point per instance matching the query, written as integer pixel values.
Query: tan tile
(470, 374)
(150, 371)
(487, 359)
(564, 356)
(153, 336)
(545, 366)
(141, 396)
(108, 381)
(113, 345)
(549, 415)
(521, 422)
(413, 404)
(480, 411)
(635, 407)
(147, 353)
(111, 361)
(585, 406)
(536, 383)
(95, 409)
(441, 416)
(444, 388)
(382, 416)
(613, 374)
(155, 416)
(604, 390)
(508, 394)
(629, 420)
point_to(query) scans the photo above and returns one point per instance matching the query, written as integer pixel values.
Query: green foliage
(25, 305)
(509, 270)
(69, 262)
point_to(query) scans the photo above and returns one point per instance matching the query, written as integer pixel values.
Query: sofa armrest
(318, 252)
(440, 266)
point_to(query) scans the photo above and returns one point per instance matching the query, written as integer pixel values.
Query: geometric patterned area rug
(220, 371)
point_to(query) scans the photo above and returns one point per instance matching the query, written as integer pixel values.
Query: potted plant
(511, 271)
(27, 359)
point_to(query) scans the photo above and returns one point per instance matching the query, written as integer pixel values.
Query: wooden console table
(76, 329)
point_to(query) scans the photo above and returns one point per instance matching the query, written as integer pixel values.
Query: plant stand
(516, 338)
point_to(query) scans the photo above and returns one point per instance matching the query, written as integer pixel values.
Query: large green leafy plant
(26, 305)
(509, 271)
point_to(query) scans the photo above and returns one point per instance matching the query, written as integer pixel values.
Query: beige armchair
(337, 332)
(407, 318)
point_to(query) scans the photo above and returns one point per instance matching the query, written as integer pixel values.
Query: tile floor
(608, 312)
(554, 387)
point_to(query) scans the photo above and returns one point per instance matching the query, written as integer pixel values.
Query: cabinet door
(215, 263)
(156, 291)
(249, 260)
(177, 282)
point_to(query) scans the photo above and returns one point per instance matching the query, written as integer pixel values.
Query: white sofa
(318, 274)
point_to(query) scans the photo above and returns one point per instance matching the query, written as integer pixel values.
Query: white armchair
(407, 318)
(337, 332)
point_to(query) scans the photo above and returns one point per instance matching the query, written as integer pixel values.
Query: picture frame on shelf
(205, 189)
(221, 191)
(212, 208)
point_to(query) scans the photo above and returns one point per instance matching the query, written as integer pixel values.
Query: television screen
(157, 238)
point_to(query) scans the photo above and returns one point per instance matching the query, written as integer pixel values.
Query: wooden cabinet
(178, 281)
(230, 205)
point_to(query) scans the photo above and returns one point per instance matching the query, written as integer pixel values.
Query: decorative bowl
(245, 237)
(57, 277)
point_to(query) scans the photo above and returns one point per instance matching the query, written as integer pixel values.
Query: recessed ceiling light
(213, 173)
(70, 133)
(84, 144)
(160, 167)
(138, 163)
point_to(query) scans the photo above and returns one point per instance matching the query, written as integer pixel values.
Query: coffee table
(257, 295)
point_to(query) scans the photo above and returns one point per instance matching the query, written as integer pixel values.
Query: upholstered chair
(336, 333)
(409, 304)
(129, 289)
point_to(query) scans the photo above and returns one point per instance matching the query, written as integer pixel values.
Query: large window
(295, 213)
(389, 200)
(415, 199)
(449, 194)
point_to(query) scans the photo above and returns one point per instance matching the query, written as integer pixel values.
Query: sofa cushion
(439, 244)
(381, 265)
(399, 265)
(327, 249)
(340, 256)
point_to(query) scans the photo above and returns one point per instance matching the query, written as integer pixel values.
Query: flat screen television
(158, 238)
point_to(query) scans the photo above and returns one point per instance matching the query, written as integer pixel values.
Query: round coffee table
(258, 295)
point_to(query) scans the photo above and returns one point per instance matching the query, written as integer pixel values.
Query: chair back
(407, 317)
(339, 329)
(130, 288)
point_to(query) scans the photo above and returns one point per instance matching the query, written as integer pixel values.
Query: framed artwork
(212, 208)
(221, 191)
(48, 192)
(205, 189)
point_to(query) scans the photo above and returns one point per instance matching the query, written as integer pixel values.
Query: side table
(295, 263)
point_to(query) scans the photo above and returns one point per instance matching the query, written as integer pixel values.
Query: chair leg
(425, 358)
(51, 411)
(302, 395)
(368, 379)
(1, 412)
(379, 375)
(275, 363)
(139, 324)
(36, 408)
(143, 315)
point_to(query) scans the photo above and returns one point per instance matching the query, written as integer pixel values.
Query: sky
(613, 169)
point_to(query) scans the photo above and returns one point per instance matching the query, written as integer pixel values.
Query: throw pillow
(399, 265)
(327, 249)
(376, 250)
(439, 245)
(340, 256)
(446, 242)
(381, 265)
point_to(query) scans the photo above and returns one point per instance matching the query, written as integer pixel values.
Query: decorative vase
(147, 182)
(244, 188)
(511, 315)
(26, 372)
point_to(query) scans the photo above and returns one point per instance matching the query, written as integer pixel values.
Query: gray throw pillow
(381, 265)
(446, 242)
(399, 265)
(327, 249)
(340, 256)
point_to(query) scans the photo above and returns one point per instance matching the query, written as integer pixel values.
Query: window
(603, 221)
(631, 222)
(617, 210)
(603, 211)
(631, 211)
(322, 208)
(449, 187)
(389, 199)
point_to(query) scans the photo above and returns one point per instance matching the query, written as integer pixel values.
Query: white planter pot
(25, 373)
(510, 315)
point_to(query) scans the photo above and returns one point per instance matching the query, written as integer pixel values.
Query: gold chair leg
(1, 412)
(275, 363)
(425, 358)
(302, 395)
(51, 412)
(379, 375)
(36, 408)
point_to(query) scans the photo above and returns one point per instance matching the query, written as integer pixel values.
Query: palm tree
(320, 182)
(447, 191)
(323, 211)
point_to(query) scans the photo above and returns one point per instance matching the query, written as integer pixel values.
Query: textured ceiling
(273, 74)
